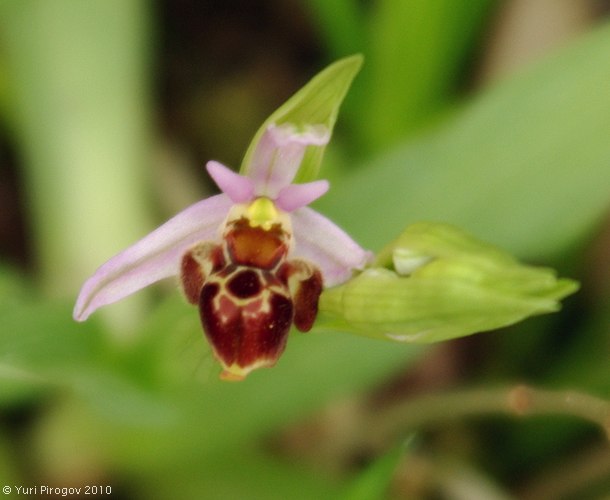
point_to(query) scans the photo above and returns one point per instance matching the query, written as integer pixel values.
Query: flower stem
(518, 401)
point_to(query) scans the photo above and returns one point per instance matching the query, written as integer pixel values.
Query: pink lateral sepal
(334, 252)
(154, 257)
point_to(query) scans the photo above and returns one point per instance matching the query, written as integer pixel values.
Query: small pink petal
(322, 242)
(240, 189)
(295, 196)
(278, 156)
(154, 257)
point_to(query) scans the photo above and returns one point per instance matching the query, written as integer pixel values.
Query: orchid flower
(253, 258)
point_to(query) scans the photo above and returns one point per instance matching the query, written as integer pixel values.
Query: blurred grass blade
(77, 73)
(415, 58)
(373, 483)
(524, 166)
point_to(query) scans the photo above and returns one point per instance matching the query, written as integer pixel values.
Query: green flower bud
(436, 282)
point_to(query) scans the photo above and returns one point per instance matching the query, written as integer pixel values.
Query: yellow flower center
(262, 213)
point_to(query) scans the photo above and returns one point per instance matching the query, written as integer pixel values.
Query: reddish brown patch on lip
(305, 283)
(306, 302)
(203, 256)
(255, 246)
(192, 278)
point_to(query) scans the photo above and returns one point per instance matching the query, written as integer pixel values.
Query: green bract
(317, 103)
(436, 282)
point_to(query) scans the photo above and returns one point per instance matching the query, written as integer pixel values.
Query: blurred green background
(491, 115)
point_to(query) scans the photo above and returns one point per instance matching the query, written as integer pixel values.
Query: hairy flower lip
(273, 168)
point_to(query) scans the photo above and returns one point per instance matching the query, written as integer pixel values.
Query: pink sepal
(154, 257)
(327, 246)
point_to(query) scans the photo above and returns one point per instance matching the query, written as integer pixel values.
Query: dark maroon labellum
(249, 294)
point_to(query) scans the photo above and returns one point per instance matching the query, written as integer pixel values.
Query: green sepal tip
(317, 103)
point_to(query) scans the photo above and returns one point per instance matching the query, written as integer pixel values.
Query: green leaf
(42, 337)
(317, 103)
(442, 284)
(525, 165)
(239, 473)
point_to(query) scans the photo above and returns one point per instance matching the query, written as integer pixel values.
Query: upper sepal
(279, 155)
(315, 104)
